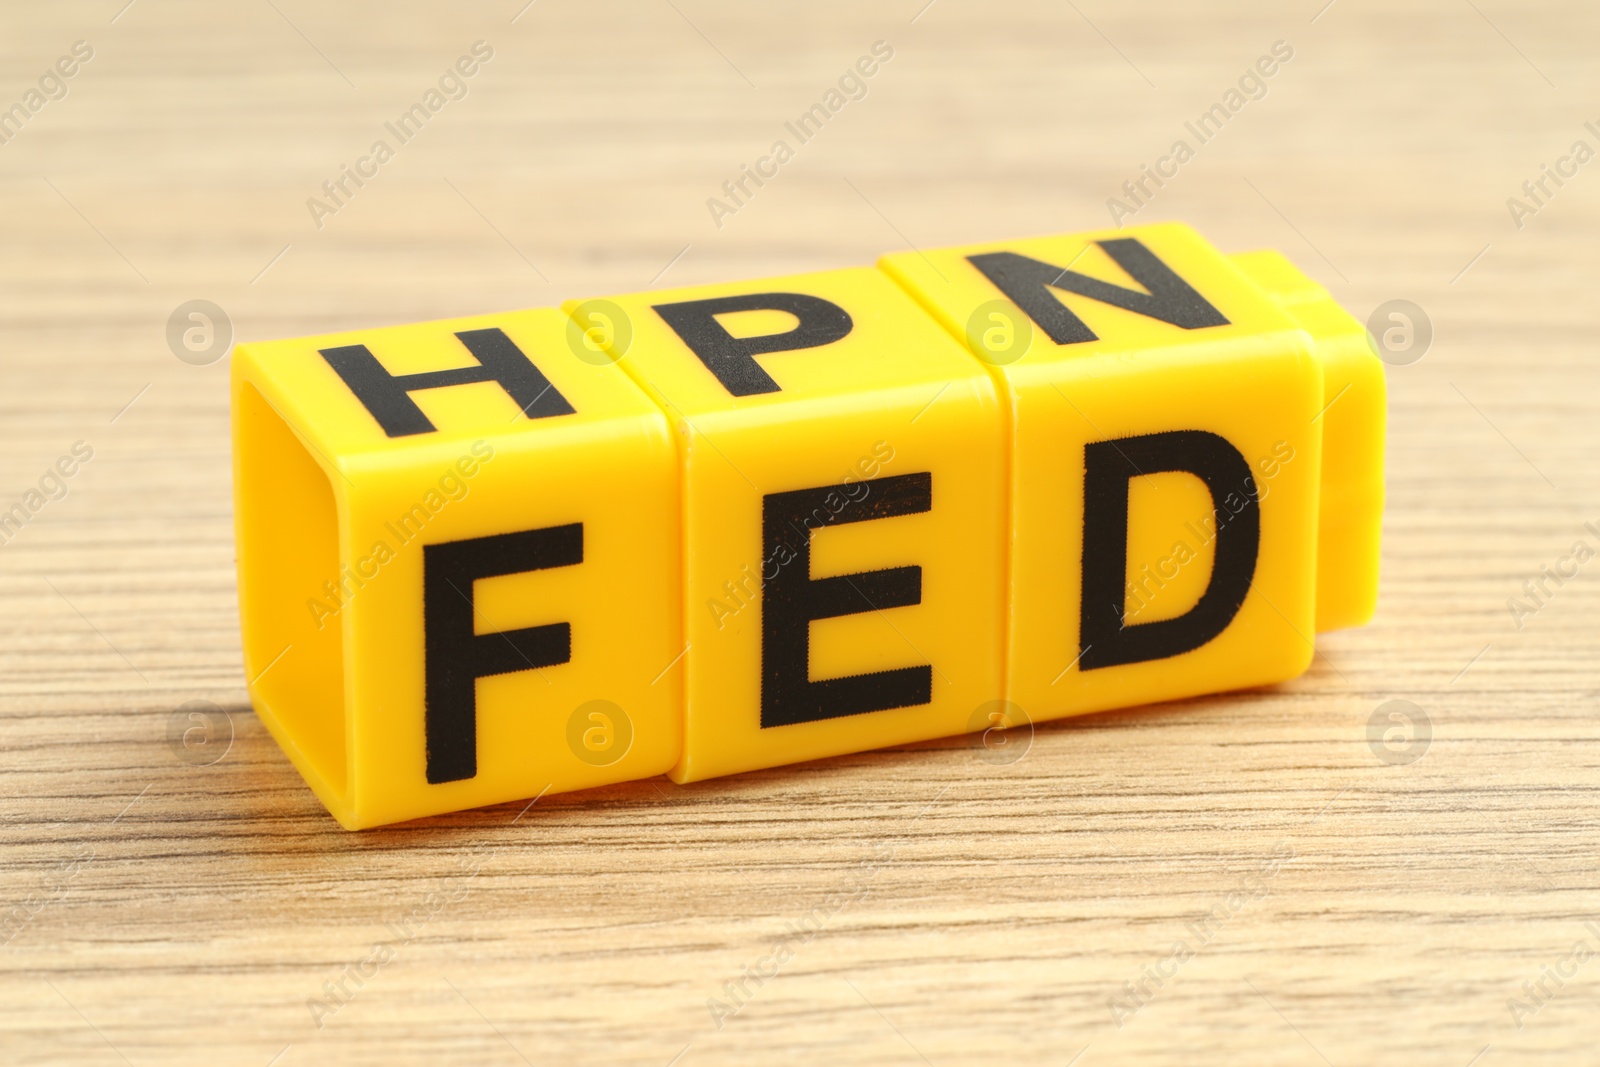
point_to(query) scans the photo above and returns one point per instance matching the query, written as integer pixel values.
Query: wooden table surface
(1416, 903)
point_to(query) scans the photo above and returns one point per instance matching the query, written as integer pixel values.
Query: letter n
(1027, 282)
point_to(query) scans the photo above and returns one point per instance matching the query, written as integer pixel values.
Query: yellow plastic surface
(1255, 381)
(710, 530)
(895, 397)
(1354, 392)
(332, 515)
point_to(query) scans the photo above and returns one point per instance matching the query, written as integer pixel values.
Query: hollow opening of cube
(289, 592)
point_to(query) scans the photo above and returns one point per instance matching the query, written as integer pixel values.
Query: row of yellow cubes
(703, 531)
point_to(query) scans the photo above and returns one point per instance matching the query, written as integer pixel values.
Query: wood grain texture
(959, 911)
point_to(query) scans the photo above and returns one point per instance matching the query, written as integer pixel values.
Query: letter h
(388, 396)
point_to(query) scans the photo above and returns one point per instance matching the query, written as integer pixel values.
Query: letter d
(1104, 640)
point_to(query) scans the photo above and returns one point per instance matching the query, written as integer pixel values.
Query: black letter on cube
(732, 359)
(455, 657)
(1103, 639)
(792, 599)
(388, 396)
(1027, 282)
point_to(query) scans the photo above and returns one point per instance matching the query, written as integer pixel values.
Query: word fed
(710, 530)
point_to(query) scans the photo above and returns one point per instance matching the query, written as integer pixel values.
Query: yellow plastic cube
(459, 562)
(844, 513)
(1166, 452)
